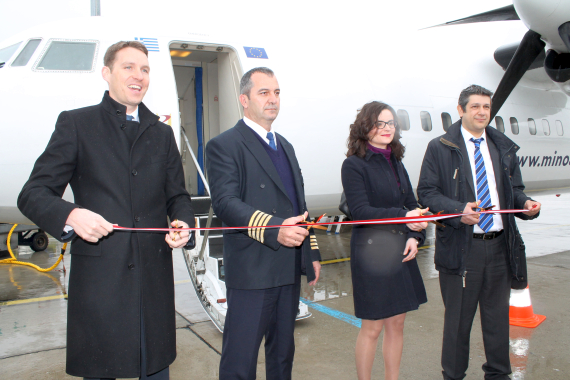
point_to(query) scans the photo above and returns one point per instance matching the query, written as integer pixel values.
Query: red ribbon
(404, 220)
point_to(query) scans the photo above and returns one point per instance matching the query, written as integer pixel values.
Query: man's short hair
(246, 83)
(472, 90)
(112, 51)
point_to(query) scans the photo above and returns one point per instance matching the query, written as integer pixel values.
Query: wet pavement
(33, 316)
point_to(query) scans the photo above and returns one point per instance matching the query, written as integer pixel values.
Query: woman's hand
(417, 226)
(411, 249)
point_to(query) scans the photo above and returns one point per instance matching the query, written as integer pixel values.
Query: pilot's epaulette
(314, 244)
(258, 219)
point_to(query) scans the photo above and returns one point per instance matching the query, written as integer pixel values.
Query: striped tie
(483, 194)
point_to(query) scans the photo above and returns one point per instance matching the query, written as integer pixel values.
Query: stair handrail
(200, 172)
(211, 211)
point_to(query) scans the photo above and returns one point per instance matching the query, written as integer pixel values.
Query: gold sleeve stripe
(258, 219)
(249, 230)
(314, 244)
(255, 231)
(264, 222)
(258, 222)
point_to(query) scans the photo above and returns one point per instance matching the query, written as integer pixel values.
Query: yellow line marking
(348, 258)
(334, 261)
(51, 298)
(30, 300)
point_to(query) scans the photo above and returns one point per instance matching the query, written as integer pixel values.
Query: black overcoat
(446, 184)
(247, 190)
(136, 185)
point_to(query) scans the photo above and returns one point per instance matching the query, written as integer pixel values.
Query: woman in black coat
(386, 279)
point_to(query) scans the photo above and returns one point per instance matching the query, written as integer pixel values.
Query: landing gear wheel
(39, 242)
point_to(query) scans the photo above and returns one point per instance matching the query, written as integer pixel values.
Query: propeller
(528, 50)
(530, 47)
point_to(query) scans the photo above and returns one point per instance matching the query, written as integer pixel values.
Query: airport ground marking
(351, 319)
(31, 300)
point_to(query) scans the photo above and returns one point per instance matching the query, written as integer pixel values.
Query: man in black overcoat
(256, 181)
(479, 257)
(124, 168)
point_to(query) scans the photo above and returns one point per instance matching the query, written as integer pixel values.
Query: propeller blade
(500, 14)
(530, 47)
(564, 32)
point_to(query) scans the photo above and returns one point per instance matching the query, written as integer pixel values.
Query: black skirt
(383, 286)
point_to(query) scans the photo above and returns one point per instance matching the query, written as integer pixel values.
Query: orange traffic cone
(520, 309)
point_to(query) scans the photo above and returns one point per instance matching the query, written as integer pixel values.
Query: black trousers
(160, 375)
(253, 314)
(487, 284)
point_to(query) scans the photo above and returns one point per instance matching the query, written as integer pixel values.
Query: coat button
(274, 211)
(118, 112)
(137, 219)
(131, 266)
(134, 172)
(262, 186)
(123, 127)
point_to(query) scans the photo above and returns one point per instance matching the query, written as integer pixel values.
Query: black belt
(488, 235)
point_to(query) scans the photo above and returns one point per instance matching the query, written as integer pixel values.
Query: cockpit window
(24, 57)
(7, 52)
(68, 56)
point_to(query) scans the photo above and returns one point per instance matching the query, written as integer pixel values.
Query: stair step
(216, 246)
(216, 222)
(201, 205)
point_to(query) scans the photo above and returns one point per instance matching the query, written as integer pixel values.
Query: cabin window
(514, 126)
(559, 128)
(546, 127)
(24, 57)
(500, 124)
(403, 120)
(68, 56)
(531, 126)
(426, 121)
(7, 52)
(446, 120)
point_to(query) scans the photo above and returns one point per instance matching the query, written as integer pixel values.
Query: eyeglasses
(384, 124)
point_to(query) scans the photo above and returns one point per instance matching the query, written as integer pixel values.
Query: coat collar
(119, 112)
(454, 139)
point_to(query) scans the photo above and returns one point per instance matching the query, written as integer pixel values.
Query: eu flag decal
(254, 52)
(150, 43)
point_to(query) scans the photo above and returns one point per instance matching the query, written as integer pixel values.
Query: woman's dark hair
(364, 123)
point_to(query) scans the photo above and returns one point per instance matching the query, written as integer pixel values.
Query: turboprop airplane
(195, 88)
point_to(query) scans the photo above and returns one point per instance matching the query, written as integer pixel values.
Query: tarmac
(33, 315)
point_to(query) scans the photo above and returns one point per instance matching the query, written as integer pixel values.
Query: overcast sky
(254, 17)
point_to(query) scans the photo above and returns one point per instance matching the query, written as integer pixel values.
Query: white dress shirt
(497, 221)
(135, 115)
(260, 130)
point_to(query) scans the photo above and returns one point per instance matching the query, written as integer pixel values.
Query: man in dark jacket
(123, 167)
(256, 181)
(479, 257)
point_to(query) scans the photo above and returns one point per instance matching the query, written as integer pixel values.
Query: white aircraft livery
(195, 86)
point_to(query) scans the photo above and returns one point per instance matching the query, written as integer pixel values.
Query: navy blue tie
(483, 193)
(271, 140)
(130, 118)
